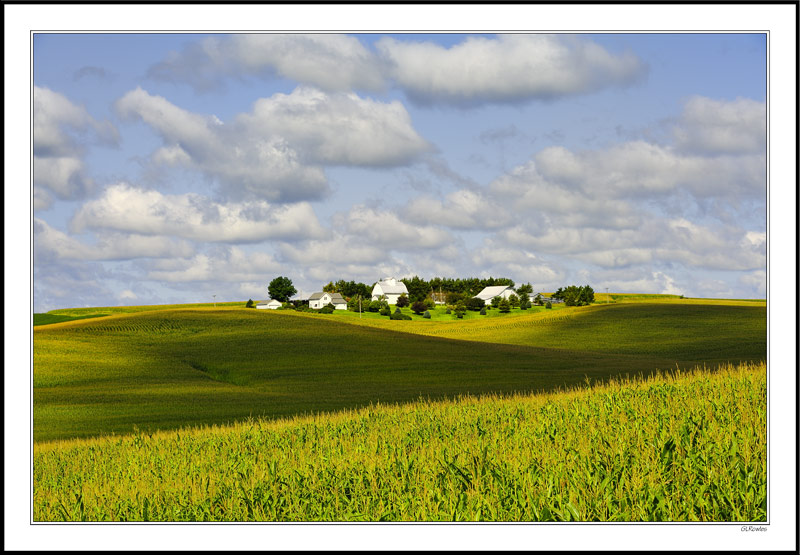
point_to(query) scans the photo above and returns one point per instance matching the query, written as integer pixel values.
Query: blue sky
(172, 167)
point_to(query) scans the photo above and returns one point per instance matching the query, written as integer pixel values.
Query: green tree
(475, 303)
(417, 288)
(250, 304)
(526, 289)
(402, 301)
(496, 302)
(460, 310)
(504, 306)
(281, 289)
(513, 300)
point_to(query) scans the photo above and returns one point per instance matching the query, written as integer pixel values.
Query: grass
(682, 446)
(168, 368)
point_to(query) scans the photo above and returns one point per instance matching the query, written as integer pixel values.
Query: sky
(181, 168)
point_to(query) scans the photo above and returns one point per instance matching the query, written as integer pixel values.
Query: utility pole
(359, 306)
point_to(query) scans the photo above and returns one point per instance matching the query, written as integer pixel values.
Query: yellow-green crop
(678, 447)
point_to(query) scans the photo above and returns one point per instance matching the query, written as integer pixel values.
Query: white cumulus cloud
(195, 217)
(509, 68)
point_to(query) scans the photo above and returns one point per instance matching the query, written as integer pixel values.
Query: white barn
(389, 288)
(318, 300)
(489, 293)
(271, 305)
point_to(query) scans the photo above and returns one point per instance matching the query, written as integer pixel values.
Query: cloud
(330, 62)
(222, 265)
(61, 132)
(276, 151)
(386, 229)
(51, 244)
(462, 210)
(191, 216)
(709, 126)
(338, 129)
(509, 68)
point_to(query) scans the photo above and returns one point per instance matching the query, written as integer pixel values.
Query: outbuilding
(271, 305)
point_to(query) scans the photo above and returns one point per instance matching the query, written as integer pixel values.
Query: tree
(483, 311)
(513, 300)
(417, 288)
(475, 303)
(504, 306)
(548, 305)
(525, 290)
(496, 301)
(573, 295)
(460, 309)
(402, 301)
(525, 302)
(281, 289)
(250, 304)
(538, 299)
(427, 315)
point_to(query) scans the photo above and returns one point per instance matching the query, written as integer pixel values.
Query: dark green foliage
(460, 310)
(375, 306)
(483, 311)
(453, 298)
(427, 315)
(475, 304)
(548, 305)
(327, 309)
(525, 302)
(399, 316)
(385, 310)
(525, 290)
(573, 295)
(513, 300)
(448, 311)
(250, 304)
(281, 289)
(417, 288)
(538, 299)
(419, 307)
(496, 302)
(402, 301)
(348, 289)
(504, 306)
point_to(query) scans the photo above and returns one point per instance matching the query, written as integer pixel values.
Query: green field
(682, 447)
(171, 367)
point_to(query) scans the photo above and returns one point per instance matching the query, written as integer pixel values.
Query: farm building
(489, 293)
(546, 298)
(271, 305)
(389, 288)
(318, 300)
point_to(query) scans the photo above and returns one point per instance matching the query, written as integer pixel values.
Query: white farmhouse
(489, 293)
(389, 288)
(271, 305)
(318, 300)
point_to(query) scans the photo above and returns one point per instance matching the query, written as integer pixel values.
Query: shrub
(460, 310)
(496, 302)
(513, 300)
(448, 311)
(398, 311)
(483, 311)
(419, 307)
(385, 311)
(250, 304)
(475, 304)
(402, 300)
(427, 315)
(399, 316)
(548, 305)
(327, 309)
(374, 306)
(504, 306)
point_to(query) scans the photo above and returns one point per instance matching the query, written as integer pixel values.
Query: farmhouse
(318, 300)
(271, 305)
(489, 293)
(389, 288)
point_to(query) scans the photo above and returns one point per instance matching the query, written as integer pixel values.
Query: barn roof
(491, 292)
(391, 286)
